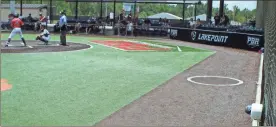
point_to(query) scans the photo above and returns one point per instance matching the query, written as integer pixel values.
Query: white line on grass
(146, 43)
(108, 46)
(124, 49)
(179, 49)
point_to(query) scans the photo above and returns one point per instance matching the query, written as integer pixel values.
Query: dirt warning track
(179, 102)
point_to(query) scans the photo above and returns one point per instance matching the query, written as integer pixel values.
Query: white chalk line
(146, 43)
(179, 49)
(124, 49)
(107, 46)
(199, 83)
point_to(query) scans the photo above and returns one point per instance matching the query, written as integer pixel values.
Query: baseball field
(83, 87)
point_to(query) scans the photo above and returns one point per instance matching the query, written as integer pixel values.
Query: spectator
(129, 17)
(30, 18)
(122, 15)
(107, 20)
(77, 27)
(91, 24)
(217, 19)
(147, 24)
(222, 20)
(42, 20)
(192, 23)
(198, 23)
(226, 20)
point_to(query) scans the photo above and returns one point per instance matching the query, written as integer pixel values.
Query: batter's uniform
(44, 36)
(16, 24)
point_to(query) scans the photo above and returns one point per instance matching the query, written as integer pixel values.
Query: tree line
(146, 9)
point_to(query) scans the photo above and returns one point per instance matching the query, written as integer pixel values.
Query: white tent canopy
(164, 15)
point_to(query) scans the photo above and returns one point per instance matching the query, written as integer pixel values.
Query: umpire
(63, 28)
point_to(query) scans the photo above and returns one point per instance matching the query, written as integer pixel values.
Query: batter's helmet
(16, 15)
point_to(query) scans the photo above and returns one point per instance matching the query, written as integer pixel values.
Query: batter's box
(126, 45)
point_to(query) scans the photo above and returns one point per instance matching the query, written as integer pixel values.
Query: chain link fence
(270, 63)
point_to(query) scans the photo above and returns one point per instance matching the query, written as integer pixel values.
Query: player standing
(16, 24)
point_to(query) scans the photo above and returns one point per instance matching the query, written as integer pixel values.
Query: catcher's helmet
(16, 15)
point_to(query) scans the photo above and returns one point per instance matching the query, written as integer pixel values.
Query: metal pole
(101, 15)
(114, 11)
(135, 3)
(21, 4)
(221, 7)
(51, 13)
(183, 11)
(76, 10)
(195, 12)
(209, 10)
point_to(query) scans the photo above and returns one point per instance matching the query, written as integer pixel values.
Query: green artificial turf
(81, 88)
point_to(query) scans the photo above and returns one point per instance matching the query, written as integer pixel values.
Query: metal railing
(259, 88)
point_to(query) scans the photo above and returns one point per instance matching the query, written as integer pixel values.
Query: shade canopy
(143, 1)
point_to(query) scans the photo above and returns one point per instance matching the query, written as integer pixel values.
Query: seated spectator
(147, 24)
(192, 23)
(107, 20)
(198, 23)
(160, 20)
(29, 18)
(129, 17)
(78, 27)
(90, 25)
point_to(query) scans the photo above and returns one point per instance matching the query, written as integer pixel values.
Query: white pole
(106, 9)
(12, 6)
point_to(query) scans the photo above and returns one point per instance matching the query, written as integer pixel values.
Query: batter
(16, 24)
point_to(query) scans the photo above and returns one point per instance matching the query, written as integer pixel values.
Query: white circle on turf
(190, 79)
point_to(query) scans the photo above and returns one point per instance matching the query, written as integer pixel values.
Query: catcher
(44, 36)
